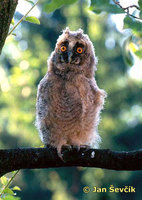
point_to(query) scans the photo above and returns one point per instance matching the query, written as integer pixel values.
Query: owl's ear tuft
(66, 31)
(79, 33)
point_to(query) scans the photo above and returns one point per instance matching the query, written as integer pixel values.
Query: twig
(9, 182)
(127, 8)
(132, 6)
(23, 18)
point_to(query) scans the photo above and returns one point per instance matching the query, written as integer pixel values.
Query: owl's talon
(61, 156)
(67, 146)
(62, 149)
(76, 147)
(86, 147)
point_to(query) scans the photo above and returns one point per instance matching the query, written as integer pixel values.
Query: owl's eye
(79, 50)
(63, 48)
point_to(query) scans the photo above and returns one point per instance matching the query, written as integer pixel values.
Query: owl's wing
(42, 109)
(43, 97)
(99, 94)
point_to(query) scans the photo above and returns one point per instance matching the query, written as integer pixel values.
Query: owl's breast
(65, 102)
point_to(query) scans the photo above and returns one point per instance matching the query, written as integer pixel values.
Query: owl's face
(73, 52)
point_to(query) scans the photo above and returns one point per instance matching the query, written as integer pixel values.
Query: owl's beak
(69, 56)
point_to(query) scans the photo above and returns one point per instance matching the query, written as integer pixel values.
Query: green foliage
(127, 52)
(9, 197)
(140, 4)
(136, 29)
(99, 6)
(139, 53)
(23, 64)
(140, 14)
(131, 23)
(6, 192)
(12, 22)
(56, 4)
(32, 19)
(134, 25)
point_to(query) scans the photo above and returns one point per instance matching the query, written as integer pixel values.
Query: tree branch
(126, 9)
(7, 9)
(33, 158)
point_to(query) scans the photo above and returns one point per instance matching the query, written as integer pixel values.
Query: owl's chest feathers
(72, 99)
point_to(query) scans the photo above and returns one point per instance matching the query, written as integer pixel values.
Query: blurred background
(23, 63)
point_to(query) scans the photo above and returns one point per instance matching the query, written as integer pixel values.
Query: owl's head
(74, 52)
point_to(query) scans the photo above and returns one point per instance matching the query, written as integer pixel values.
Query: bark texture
(7, 9)
(33, 158)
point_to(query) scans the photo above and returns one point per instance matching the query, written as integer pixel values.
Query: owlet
(68, 98)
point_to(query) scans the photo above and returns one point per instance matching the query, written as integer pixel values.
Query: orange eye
(63, 48)
(79, 50)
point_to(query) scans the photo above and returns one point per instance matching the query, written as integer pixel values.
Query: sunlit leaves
(5, 191)
(99, 6)
(12, 22)
(32, 19)
(8, 191)
(136, 26)
(4, 180)
(131, 48)
(55, 4)
(9, 197)
(16, 188)
(127, 52)
(139, 53)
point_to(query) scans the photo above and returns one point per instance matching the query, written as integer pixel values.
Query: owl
(68, 99)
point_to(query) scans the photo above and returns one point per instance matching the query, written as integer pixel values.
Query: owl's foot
(78, 147)
(85, 146)
(67, 146)
(60, 156)
(62, 149)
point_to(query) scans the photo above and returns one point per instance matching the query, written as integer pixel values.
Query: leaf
(4, 180)
(127, 53)
(16, 188)
(133, 24)
(9, 197)
(14, 34)
(99, 2)
(30, 2)
(8, 191)
(55, 4)
(32, 19)
(139, 53)
(12, 22)
(140, 4)
(99, 6)
(140, 15)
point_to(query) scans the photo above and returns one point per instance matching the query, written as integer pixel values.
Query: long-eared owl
(68, 99)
